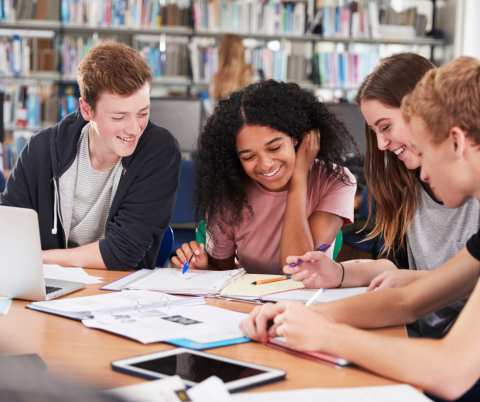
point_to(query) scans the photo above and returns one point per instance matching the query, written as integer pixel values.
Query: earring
(295, 142)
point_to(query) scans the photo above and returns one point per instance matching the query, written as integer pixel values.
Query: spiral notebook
(243, 289)
(324, 358)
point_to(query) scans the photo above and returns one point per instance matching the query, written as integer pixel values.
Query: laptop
(21, 264)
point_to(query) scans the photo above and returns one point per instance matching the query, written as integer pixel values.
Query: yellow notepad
(243, 289)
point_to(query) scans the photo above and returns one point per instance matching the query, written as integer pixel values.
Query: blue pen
(323, 248)
(187, 264)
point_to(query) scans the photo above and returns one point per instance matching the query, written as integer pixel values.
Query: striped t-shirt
(91, 202)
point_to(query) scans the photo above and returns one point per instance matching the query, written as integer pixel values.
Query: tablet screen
(195, 368)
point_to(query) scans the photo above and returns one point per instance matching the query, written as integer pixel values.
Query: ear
(85, 110)
(457, 137)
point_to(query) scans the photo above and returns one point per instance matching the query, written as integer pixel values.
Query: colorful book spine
(125, 13)
(344, 70)
(269, 17)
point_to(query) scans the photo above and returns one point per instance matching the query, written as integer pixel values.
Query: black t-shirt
(473, 246)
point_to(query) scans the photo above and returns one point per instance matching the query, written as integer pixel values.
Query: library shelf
(187, 31)
(33, 129)
(48, 76)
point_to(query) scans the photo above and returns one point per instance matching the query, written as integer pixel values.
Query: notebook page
(243, 286)
(172, 279)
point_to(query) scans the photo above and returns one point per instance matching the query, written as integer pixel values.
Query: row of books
(14, 10)
(345, 69)
(203, 59)
(169, 59)
(72, 50)
(204, 62)
(28, 106)
(353, 20)
(21, 56)
(15, 56)
(259, 17)
(126, 13)
(364, 19)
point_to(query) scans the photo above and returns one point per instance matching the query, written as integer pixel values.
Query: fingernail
(197, 251)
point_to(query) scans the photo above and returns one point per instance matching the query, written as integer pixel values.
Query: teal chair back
(166, 248)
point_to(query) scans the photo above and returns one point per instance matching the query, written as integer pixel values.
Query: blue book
(185, 343)
(65, 11)
(338, 19)
(123, 9)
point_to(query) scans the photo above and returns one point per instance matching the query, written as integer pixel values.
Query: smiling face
(118, 122)
(393, 134)
(267, 156)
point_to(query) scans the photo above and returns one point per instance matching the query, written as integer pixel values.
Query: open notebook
(244, 290)
(171, 280)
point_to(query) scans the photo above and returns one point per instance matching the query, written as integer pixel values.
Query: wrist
(341, 274)
(299, 177)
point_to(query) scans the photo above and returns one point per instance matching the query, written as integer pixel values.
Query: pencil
(282, 278)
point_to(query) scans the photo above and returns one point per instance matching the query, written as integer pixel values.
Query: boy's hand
(198, 261)
(306, 153)
(317, 271)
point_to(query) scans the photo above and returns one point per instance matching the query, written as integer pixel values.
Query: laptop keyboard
(51, 289)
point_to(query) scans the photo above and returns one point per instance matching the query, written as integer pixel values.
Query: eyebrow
(141, 110)
(380, 120)
(267, 144)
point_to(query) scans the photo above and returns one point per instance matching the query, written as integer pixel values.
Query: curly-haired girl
(269, 179)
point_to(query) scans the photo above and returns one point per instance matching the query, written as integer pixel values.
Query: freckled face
(441, 169)
(393, 134)
(267, 156)
(120, 121)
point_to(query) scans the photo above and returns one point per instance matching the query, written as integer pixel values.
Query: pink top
(258, 240)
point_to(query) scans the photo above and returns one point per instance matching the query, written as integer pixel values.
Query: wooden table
(72, 350)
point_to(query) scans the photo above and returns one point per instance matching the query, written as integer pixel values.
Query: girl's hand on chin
(306, 153)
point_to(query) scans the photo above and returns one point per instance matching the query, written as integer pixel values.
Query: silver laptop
(21, 265)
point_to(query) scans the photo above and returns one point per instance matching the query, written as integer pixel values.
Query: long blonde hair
(233, 71)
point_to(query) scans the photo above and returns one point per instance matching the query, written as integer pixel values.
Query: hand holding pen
(323, 248)
(316, 270)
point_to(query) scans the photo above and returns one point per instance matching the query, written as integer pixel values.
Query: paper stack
(81, 308)
(69, 274)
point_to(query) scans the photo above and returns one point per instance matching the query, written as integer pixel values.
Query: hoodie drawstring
(54, 230)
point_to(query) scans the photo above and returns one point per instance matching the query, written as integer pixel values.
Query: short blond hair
(447, 97)
(111, 67)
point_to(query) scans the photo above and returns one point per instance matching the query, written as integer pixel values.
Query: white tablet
(194, 366)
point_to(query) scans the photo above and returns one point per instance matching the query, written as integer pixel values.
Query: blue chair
(3, 183)
(166, 248)
(355, 240)
(184, 212)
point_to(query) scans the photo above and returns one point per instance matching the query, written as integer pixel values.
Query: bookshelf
(65, 40)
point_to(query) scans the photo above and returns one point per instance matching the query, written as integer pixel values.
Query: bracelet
(343, 275)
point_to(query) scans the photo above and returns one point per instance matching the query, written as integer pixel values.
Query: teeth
(271, 174)
(127, 139)
(399, 150)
